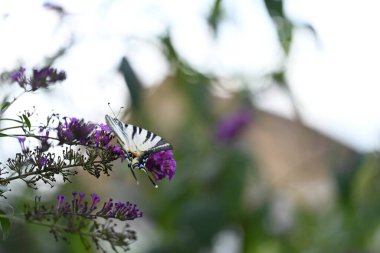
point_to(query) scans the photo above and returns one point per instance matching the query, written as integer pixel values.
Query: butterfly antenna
(121, 108)
(109, 105)
(115, 115)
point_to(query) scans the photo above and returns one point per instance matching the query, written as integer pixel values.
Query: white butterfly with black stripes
(139, 143)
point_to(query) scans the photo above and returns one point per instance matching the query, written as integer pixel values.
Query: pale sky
(334, 79)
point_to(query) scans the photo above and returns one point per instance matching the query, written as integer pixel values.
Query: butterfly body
(139, 143)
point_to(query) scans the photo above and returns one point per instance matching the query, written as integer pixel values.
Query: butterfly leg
(132, 166)
(134, 175)
(151, 180)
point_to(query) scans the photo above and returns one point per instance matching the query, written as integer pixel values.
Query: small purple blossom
(161, 164)
(102, 135)
(95, 200)
(45, 76)
(42, 161)
(60, 199)
(73, 131)
(41, 78)
(21, 140)
(118, 151)
(231, 126)
(118, 210)
(19, 77)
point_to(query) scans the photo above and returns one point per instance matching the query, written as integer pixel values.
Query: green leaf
(27, 121)
(275, 8)
(279, 77)
(5, 106)
(6, 210)
(215, 15)
(285, 33)
(169, 50)
(5, 225)
(283, 25)
(133, 83)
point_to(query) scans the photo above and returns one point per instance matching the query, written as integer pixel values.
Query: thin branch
(8, 119)
(39, 172)
(8, 128)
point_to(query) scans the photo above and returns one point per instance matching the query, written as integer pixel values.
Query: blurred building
(292, 159)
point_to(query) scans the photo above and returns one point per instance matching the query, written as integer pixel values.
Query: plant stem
(8, 128)
(32, 135)
(8, 119)
(37, 172)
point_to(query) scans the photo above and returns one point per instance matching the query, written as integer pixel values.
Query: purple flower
(45, 76)
(102, 136)
(118, 210)
(161, 164)
(231, 126)
(21, 140)
(118, 151)
(60, 199)
(95, 200)
(73, 131)
(42, 161)
(41, 78)
(19, 77)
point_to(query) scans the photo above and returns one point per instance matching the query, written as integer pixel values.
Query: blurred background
(271, 107)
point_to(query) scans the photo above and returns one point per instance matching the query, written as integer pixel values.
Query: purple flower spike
(117, 210)
(230, 127)
(41, 78)
(45, 76)
(161, 164)
(120, 211)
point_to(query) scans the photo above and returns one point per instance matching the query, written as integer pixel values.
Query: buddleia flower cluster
(93, 220)
(58, 148)
(75, 144)
(40, 78)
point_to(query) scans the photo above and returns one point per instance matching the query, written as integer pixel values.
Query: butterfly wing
(137, 140)
(148, 142)
(123, 133)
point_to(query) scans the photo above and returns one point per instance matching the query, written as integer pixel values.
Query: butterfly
(138, 142)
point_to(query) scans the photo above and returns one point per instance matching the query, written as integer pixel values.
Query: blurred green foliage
(133, 83)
